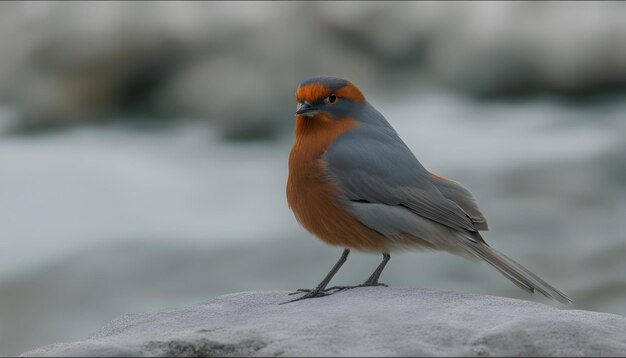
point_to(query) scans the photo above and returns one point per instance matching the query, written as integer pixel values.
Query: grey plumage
(464, 199)
(515, 272)
(371, 163)
(388, 190)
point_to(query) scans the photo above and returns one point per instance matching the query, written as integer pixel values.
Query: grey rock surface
(365, 321)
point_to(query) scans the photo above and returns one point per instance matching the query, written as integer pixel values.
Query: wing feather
(462, 197)
(372, 164)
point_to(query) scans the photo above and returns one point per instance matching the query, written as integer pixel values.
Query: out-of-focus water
(100, 221)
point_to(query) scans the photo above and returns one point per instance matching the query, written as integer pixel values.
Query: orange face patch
(350, 92)
(312, 93)
(317, 91)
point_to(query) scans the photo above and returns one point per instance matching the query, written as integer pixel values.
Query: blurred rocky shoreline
(237, 64)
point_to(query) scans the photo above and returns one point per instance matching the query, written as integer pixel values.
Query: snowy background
(143, 148)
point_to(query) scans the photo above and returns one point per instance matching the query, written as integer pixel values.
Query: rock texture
(364, 321)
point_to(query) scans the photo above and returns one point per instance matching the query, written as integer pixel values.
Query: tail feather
(512, 270)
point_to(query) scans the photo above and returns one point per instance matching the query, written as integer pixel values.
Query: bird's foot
(364, 284)
(307, 290)
(338, 288)
(308, 294)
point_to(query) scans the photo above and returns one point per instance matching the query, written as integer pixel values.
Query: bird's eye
(331, 99)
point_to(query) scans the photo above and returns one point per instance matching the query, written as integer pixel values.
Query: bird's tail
(515, 272)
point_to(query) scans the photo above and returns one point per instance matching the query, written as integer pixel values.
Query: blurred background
(144, 145)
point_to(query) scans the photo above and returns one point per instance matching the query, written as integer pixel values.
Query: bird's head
(331, 97)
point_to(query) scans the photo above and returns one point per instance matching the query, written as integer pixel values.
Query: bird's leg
(321, 290)
(372, 280)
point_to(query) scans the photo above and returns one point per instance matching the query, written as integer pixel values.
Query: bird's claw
(312, 293)
(300, 290)
(366, 284)
(308, 294)
(307, 290)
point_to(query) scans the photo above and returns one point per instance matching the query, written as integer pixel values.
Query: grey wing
(463, 198)
(372, 165)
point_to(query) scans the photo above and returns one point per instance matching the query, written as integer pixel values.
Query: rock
(365, 321)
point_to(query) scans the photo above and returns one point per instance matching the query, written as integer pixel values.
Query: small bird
(355, 184)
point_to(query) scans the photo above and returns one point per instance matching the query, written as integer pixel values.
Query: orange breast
(311, 193)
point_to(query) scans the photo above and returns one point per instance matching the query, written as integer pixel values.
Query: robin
(354, 183)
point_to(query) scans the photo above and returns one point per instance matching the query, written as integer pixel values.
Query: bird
(353, 183)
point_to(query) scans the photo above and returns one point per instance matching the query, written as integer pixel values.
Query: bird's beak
(306, 109)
